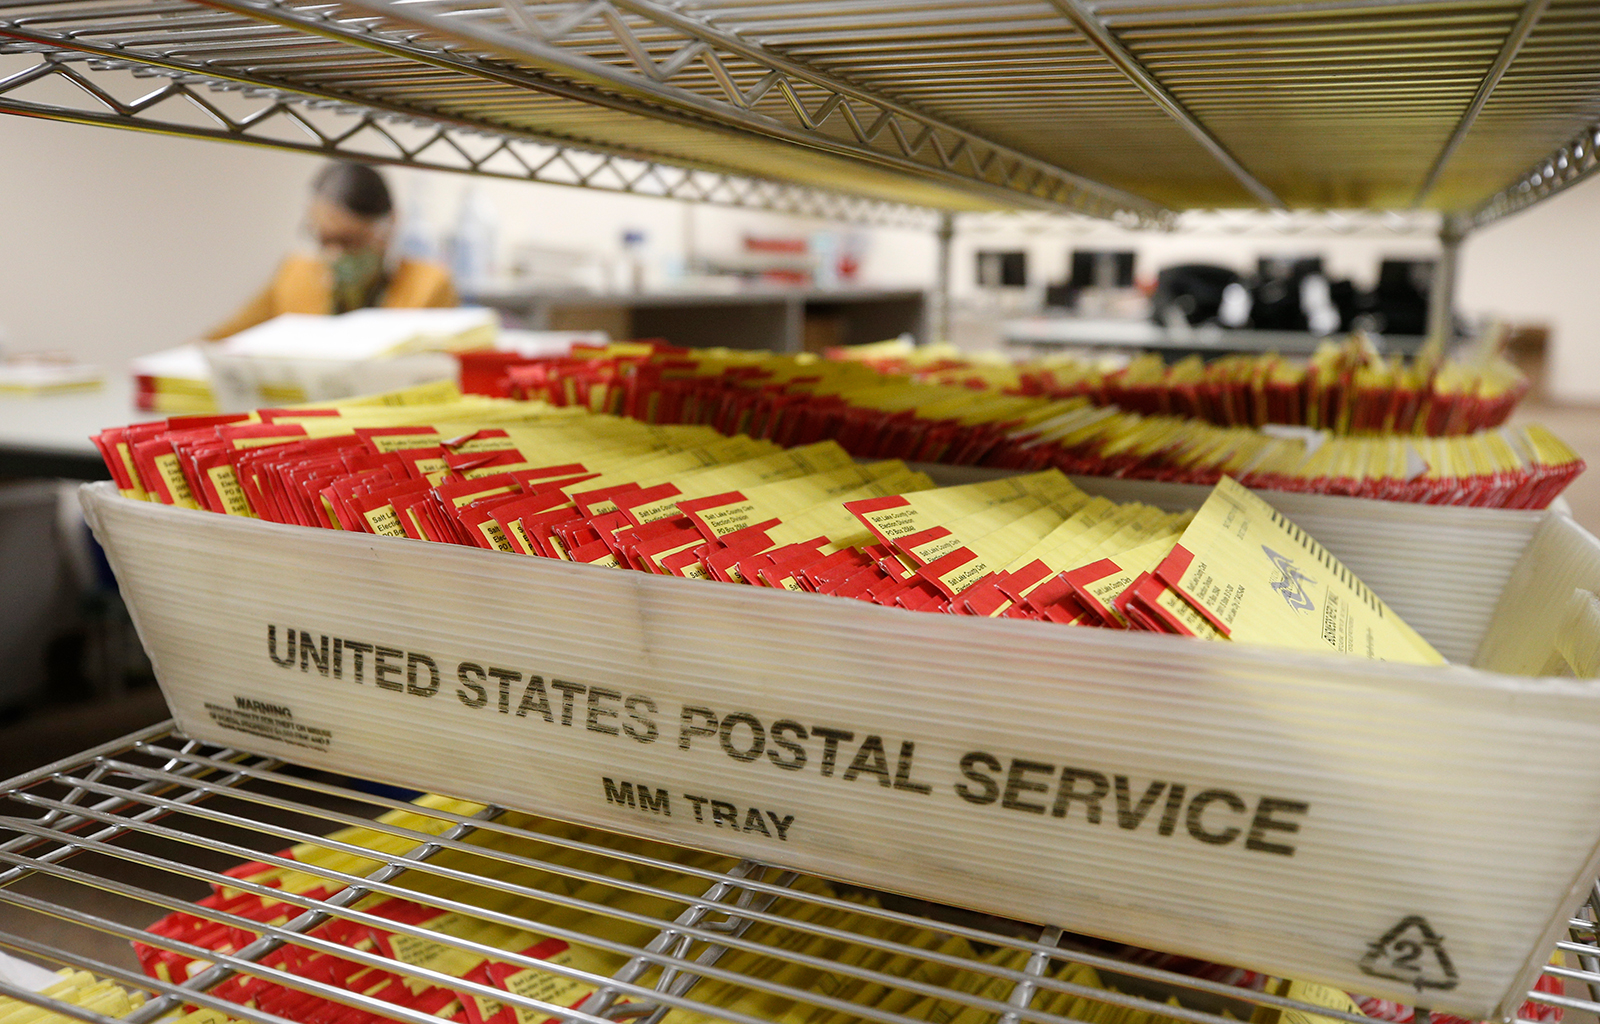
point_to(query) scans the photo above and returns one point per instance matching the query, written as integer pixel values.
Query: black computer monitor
(1102, 268)
(1282, 268)
(1399, 304)
(1002, 269)
(1406, 276)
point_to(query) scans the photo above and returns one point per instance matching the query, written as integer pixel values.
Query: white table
(1083, 332)
(47, 435)
(750, 317)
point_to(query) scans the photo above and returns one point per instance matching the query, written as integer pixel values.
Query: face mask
(354, 274)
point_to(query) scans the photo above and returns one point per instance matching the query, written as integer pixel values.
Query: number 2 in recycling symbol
(1412, 953)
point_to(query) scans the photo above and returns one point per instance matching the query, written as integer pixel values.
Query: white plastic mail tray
(1415, 833)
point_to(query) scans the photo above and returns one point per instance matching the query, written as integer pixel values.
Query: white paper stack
(365, 334)
(1416, 833)
(29, 377)
(543, 344)
(173, 380)
(304, 358)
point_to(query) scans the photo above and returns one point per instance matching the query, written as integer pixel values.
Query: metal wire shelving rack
(876, 111)
(97, 847)
(870, 109)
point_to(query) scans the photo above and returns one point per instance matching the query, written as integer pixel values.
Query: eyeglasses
(344, 234)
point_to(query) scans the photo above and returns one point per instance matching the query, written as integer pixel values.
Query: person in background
(352, 219)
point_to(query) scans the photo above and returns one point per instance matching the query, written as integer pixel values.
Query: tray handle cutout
(1577, 640)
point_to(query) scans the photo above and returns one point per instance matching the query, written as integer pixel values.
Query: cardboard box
(1420, 834)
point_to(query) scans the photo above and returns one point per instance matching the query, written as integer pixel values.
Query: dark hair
(356, 187)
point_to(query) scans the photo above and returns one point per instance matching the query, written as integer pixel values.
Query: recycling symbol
(1411, 952)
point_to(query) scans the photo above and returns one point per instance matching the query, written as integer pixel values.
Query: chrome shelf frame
(1574, 162)
(332, 124)
(97, 846)
(1122, 109)
(1315, 224)
(652, 47)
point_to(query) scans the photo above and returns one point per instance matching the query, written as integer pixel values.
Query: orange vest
(304, 285)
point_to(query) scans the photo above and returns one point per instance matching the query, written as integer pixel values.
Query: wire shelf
(1123, 109)
(181, 69)
(100, 847)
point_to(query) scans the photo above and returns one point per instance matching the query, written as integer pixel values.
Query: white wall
(114, 243)
(592, 222)
(1543, 266)
(1355, 257)
(1049, 243)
